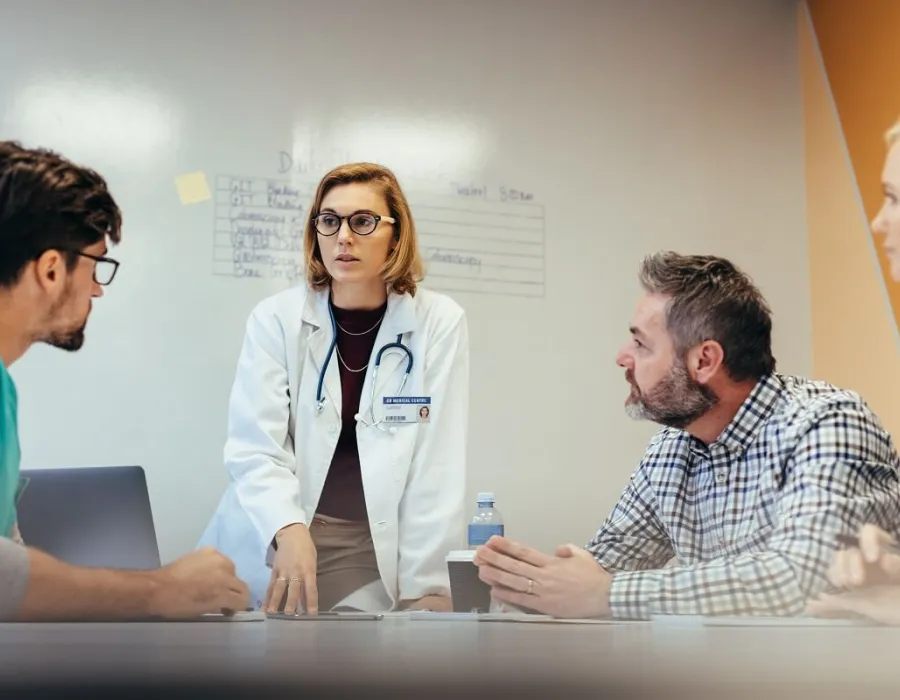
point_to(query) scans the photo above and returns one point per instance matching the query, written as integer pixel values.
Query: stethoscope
(397, 345)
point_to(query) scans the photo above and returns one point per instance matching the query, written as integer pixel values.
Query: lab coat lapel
(316, 313)
(399, 319)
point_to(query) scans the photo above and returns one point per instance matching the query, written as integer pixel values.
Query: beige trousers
(345, 560)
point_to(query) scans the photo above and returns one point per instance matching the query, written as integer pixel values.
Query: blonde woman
(340, 497)
(869, 571)
(887, 222)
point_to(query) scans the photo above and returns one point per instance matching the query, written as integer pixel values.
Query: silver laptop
(89, 516)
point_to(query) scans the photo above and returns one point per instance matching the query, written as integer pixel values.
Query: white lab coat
(279, 450)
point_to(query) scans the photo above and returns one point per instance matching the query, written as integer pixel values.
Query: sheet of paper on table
(512, 617)
(759, 621)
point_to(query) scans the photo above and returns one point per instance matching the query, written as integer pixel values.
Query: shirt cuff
(634, 595)
(14, 572)
(15, 535)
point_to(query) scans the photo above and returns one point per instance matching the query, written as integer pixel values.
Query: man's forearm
(58, 591)
(13, 577)
(758, 584)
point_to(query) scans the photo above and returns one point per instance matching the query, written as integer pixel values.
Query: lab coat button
(333, 427)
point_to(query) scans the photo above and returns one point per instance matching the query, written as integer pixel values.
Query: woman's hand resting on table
(294, 571)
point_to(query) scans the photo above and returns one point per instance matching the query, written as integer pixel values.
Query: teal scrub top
(10, 453)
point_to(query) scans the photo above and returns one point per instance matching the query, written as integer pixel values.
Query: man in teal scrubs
(9, 453)
(56, 221)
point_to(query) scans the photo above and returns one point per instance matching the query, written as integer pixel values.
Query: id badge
(406, 409)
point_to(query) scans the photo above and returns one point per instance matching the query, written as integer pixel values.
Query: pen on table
(853, 541)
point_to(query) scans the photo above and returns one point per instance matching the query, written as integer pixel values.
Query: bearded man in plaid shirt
(746, 486)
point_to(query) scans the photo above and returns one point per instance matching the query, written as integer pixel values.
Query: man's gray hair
(711, 299)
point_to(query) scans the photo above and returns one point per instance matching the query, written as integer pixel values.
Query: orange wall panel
(854, 330)
(859, 48)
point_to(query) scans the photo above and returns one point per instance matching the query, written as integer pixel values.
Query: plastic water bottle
(486, 522)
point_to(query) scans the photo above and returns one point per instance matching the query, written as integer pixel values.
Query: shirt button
(721, 475)
(333, 427)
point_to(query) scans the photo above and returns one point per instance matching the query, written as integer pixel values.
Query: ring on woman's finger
(294, 579)
(281, 578)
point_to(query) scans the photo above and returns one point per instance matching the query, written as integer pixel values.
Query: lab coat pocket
(402, 450)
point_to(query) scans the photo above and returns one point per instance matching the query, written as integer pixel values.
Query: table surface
(431, 658)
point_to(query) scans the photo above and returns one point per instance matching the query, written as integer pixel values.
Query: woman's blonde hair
(403, 269)
(892, 135)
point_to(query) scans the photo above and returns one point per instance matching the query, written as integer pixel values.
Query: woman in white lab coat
(867, 574)
(340, 496)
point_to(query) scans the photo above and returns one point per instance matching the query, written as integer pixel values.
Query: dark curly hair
(49, 203)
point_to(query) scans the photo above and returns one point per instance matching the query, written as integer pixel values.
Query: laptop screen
(89, 516)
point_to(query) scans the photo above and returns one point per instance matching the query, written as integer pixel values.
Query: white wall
(636, 125)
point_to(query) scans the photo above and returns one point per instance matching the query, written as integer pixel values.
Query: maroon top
(342, 495)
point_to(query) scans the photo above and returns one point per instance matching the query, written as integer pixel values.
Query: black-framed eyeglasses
(361, 222)
(104, 268)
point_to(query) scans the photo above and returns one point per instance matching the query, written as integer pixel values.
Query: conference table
(407, 656)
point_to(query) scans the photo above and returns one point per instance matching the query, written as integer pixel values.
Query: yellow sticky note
(192, 188)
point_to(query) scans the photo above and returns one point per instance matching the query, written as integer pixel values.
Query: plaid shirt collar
(743, 429)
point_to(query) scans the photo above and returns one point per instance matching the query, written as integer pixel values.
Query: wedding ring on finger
(294, 579)
(281, 578)
(530, 590)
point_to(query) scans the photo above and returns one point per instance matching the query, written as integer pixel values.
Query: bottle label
(480, 533)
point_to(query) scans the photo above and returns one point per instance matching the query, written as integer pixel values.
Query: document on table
(240, 616)
(802, 621)
(549, 619)
(759, 621)
(512, 617)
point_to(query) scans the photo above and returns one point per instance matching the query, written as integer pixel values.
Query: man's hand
(200, 582)
(571, 584)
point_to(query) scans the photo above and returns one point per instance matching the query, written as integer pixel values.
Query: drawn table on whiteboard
(484, 240)
(485, 243)
(259, 228)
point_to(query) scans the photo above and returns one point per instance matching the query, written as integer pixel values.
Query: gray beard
(676, 401)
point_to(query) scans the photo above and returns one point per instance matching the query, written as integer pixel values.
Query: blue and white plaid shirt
(752, 518)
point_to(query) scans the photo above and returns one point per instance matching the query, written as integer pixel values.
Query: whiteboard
(545, 147)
